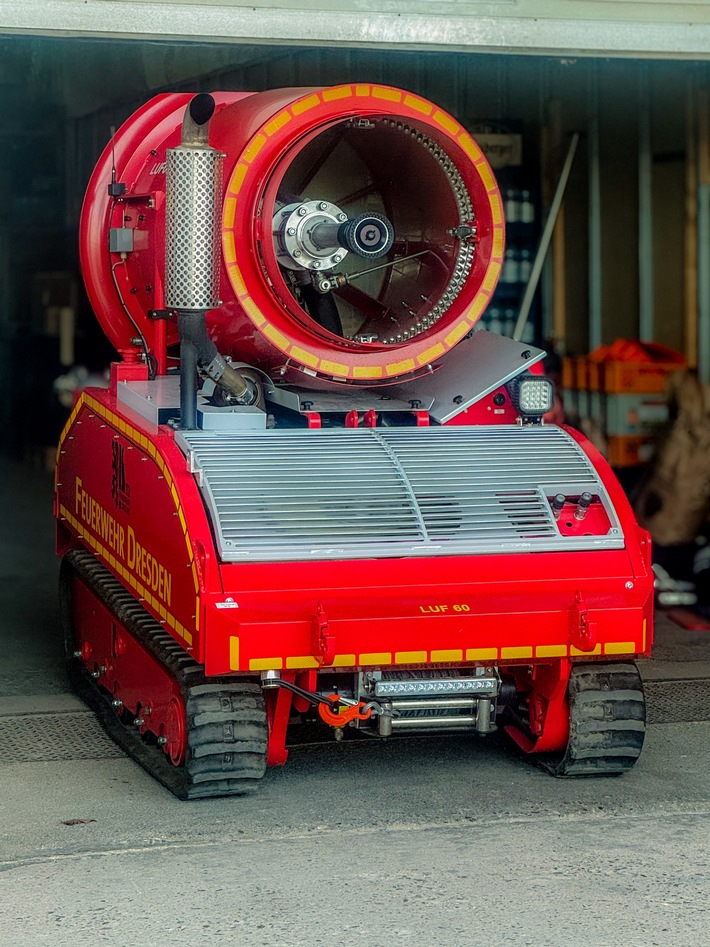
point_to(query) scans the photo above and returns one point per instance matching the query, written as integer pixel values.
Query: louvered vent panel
(346, 494)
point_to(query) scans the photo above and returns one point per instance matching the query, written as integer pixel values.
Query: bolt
(302, 211)
(322, 206)
(342, 217)
(291, 231)
(77, 654)
(96, 674)
(161, 741)
(117, 704)
(337, 258)
(138, 722)
(316, 264)
(296, 253)
(629, 585)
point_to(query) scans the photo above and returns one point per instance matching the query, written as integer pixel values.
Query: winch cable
(331, 702)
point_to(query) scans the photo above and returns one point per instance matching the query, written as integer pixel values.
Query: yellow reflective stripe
(551, 651)
(481, 654)
(438, 657)
(410, 657)
(513, 653)
(233, 653)
(376, 657)
(266, 664)
(307, 661)
(254, 148)
(576, 652)
(620, 647)
(276, 123)
(305, 105)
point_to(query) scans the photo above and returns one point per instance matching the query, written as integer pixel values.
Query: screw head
(162, 741)
(302, 212)
(629, 585)
(291, 231)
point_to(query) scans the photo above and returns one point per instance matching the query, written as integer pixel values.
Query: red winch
(315, 494)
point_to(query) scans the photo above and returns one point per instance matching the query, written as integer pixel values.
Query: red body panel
(147, 522)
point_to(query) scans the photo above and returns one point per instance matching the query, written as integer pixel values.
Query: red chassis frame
(124, 492)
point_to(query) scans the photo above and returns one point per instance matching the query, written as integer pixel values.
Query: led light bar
(418, 687)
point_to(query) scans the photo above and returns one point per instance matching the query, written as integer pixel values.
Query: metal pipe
(545, 240)
(434, 723)
(384, 721)
(595, 217)
(483, 716)
(645, 247)
(195, 123)
(188, 385)
(435, 703)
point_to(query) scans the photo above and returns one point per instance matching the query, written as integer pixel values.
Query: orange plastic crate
(631, 450)
(627, 367)
(638, 377)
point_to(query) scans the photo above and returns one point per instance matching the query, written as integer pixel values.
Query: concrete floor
(441, 841)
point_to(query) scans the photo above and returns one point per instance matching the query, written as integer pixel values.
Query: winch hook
(342, 716)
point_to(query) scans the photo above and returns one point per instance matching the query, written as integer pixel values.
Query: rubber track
(607, 721)
(226, 721)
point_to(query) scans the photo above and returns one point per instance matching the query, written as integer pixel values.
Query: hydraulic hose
(193, 333)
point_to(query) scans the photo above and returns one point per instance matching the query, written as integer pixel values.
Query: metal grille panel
(334, 494)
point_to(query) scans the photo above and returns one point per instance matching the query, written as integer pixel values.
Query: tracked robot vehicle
(314, 493)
